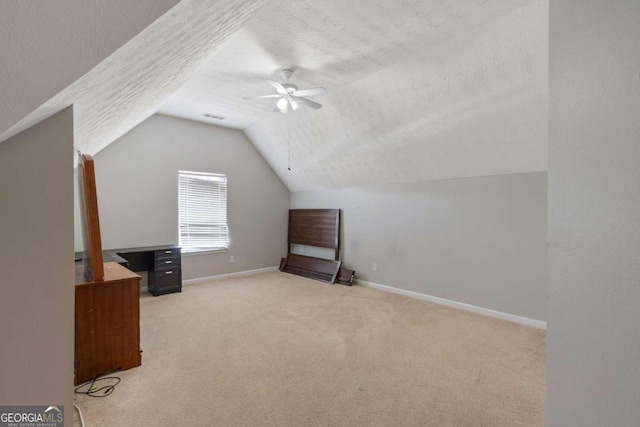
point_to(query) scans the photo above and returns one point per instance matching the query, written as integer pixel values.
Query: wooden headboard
(315, 227)
(319, 228)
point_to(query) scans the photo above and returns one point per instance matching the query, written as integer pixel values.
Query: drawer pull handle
(168, 262)
(167, 252)
(168, 272)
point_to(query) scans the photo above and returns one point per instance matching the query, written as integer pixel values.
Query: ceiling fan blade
(311, 92)
(281, 90)
(308, 102)
(275, 95)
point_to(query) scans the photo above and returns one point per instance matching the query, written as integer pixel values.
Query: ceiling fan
(290, 98)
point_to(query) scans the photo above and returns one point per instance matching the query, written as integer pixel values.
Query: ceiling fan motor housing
(290, 97)
(287, 73)
(290, 87)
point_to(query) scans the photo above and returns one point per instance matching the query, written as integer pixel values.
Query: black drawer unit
(166, 276)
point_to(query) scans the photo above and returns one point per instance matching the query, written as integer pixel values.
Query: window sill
(204, 251)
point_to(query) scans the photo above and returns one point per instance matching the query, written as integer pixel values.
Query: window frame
(194, 249)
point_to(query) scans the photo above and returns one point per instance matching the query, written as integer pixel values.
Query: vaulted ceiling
(416, 90)
(131, 84)
(46, 46)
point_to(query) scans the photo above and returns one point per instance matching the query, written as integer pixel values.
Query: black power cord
(94, 391)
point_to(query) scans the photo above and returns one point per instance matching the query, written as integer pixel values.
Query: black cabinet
(166, 275)
(164, 264)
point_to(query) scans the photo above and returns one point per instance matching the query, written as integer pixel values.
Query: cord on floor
(80, 414)
(103, 391)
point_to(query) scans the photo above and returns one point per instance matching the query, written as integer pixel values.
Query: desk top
(111, 255)
(144, 249)
(112, 271)
(137, 259)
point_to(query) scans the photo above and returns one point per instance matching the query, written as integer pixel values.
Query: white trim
(458, 305)
(219, 276)
(204, 252)
(224, 276)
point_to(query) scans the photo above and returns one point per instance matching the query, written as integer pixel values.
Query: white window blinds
(202, 213)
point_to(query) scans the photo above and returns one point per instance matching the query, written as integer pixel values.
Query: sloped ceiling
(133, 82)
(47, 45)
(417, 90)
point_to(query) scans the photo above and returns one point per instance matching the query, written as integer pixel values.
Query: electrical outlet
(231, 259)
(375, 267)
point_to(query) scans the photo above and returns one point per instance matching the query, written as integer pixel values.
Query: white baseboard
(224, 276)
(458, 305)
(219, 276)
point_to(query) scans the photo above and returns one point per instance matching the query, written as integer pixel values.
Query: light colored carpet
(280, 350)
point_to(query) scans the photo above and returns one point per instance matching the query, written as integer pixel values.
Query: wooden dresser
(107, 323)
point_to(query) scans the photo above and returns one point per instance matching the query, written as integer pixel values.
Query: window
(202, 216)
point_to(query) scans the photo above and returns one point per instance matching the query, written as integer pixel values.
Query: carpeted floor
(280, 350)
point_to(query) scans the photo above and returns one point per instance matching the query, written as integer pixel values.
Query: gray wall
(137, 182)
(593, 363)
(36, 217)
(480, 241)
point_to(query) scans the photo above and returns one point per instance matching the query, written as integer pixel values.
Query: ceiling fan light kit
(290, 98)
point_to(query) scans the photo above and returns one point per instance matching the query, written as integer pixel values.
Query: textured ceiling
(132, 83)
(330, 43)
(417, 90)
(47, 45)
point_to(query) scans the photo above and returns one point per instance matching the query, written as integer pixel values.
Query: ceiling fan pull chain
(289, 128)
